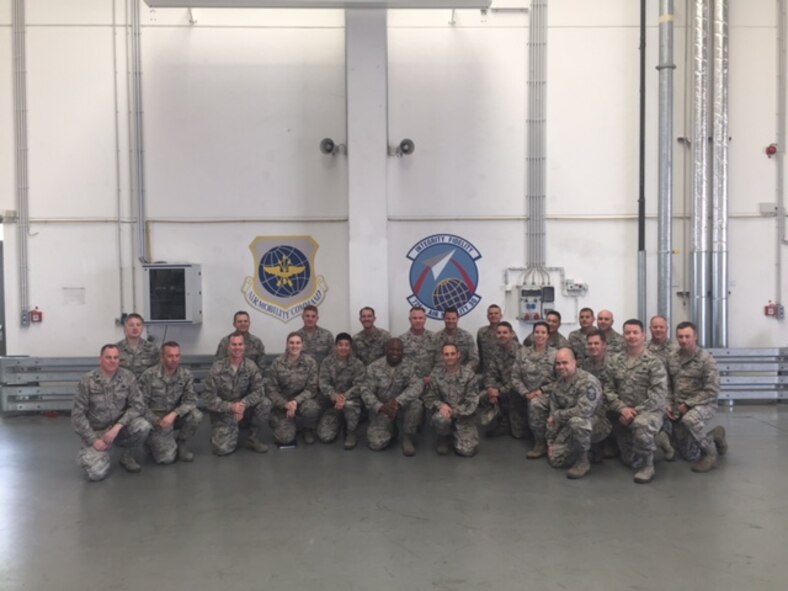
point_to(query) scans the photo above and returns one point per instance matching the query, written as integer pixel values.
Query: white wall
(234, 108)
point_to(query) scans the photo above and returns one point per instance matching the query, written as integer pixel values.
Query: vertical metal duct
(719, 178)
(779, 157)
(700, 155)
(665, 182)
(21, 172)
(642, 275)
(137, 160)
(536, 132)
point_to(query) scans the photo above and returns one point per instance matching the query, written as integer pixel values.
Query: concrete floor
(321, 518)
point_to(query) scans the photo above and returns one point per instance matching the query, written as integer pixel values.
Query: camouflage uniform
(615, 342)
(642, 384)
(383, 383)
(340, 377)
(254, 349)
(576, 405)
(419, 350)
(318, 343)
(293, 381)
(223, 388)
(509, 415)
(577, 342)
(370, 346)
(460, 390)
(469, 355)
(598, 370)
(694, 381)
(487, 343)
(663, 351)
(534, 370)
(99, 404)
(138, 360)
(555, 341)
(165, 394)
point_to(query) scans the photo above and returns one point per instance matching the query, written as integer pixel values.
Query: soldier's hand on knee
(533, 394)
(291, 407)
(101, 445)
(683, 409)
(627, 415)
(551, 422)
(168, 421)
(339, 403)
(445, 411)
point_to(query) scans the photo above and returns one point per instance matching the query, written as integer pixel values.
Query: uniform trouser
(285, 429)
(331, 420)
(381, 429)
(688, 432)
(512, 412)
(97, 463)
(538, 411)
(163, 443)
(225, 431)
(570, 438)
(636, 440)
(465, 435)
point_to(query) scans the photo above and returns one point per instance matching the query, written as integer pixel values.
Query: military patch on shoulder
(591, 393)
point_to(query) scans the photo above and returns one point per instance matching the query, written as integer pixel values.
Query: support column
(366, 66)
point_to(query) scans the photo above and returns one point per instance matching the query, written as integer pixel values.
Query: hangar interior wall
(236, 103)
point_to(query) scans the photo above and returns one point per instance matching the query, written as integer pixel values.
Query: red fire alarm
(36, 315)
(771, 150)
(770, 309)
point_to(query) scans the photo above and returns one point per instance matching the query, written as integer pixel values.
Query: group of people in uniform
(594, 395)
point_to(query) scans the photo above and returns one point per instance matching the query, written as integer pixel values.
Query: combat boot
(309, 436)
(663, 442)
(539, 450)
(645, 474)
(443, 445)
(351, 440)
(580, 468)
(256, 446)
(720, 441)
(408, 447)
(129, 462)
(707, 462)
(184, 455)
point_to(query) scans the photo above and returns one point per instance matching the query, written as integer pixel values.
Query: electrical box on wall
(173, 293)
(532, 302)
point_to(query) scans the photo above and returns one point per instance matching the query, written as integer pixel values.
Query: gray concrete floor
(321, 518)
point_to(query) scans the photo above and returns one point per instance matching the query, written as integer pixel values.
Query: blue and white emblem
(444, 275)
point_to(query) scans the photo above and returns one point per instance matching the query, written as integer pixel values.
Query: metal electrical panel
(173, 293)
(532, 302)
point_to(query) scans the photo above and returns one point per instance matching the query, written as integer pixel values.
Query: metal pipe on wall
(779, 157)
(642, 275)
(700, 205)
(137, 131)
(665, 182)
(719, 177)
(21, 171)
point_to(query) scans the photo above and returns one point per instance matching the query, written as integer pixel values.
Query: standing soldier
(615, 342)
(370, 343)
(577, 338)
(637, 391)
(555, 339)
(293, 391)
(136, 354)
(234, 398)
(577, 416)
(418, 344)
(695, 387)
(317, 342)
(452, 396)
(487, 337)
(108, 411)
(170, 404)
(452, 333)
(595, 363)
(341, 382)
(660, 345)
(392, 390)
(254, 348)
(532, 377)
(502, 410)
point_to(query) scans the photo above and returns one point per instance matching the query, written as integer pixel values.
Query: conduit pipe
(536, 142)
(642, 275)
(137, 159)
(719, 178)
(700, 162)
(21, 172)
(779, 157)
(665, 168)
